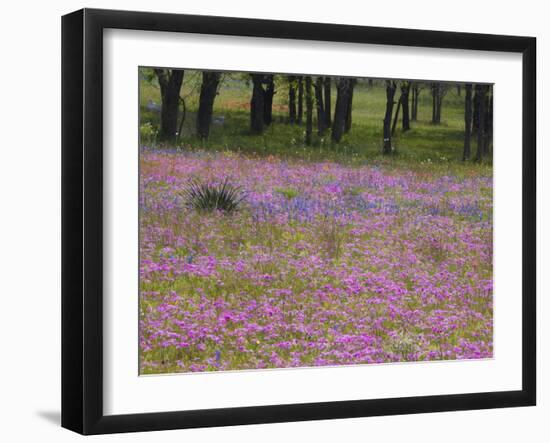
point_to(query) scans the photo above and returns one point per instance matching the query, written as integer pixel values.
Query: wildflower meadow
(324, 264)
(301, 221)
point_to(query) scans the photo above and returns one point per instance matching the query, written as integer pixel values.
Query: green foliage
(355, 190)
(148, 133)
(288, 193)
(206, 197)
(147, 75)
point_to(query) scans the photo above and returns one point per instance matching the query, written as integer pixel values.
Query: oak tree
(209, 89)
(391, 86)
(467, 122)
(170, 81)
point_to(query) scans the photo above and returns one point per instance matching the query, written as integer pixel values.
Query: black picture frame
(82, 218)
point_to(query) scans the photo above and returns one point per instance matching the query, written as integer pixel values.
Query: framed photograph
(269, 221)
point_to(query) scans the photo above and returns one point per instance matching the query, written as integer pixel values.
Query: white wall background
(30, 220)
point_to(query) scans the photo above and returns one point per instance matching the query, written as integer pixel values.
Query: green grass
(425, 142)
(288, 193)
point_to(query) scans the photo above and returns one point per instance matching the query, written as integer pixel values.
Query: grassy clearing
(425, 142)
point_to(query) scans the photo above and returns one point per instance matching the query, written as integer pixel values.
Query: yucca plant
(208, 197)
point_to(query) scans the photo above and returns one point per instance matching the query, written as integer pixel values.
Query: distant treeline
(309, 95)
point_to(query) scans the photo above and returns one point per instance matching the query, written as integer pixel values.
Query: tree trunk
(488, 122)
(480, 94)
(182, 118)
(347, 126)
(405, 89)
(413, 101)
(436, 103)
(416, 103)
(416, 92)
(439, 101)
(309, 111)
(170, 81)
(343, 89)
(321, 119)
(328, 92)
(467, 122)
(209, 87)
(257, 105)
(300, 100)
(476, 111)
(269, 92)
(390, 94)
(292, 99)
(394, 124)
